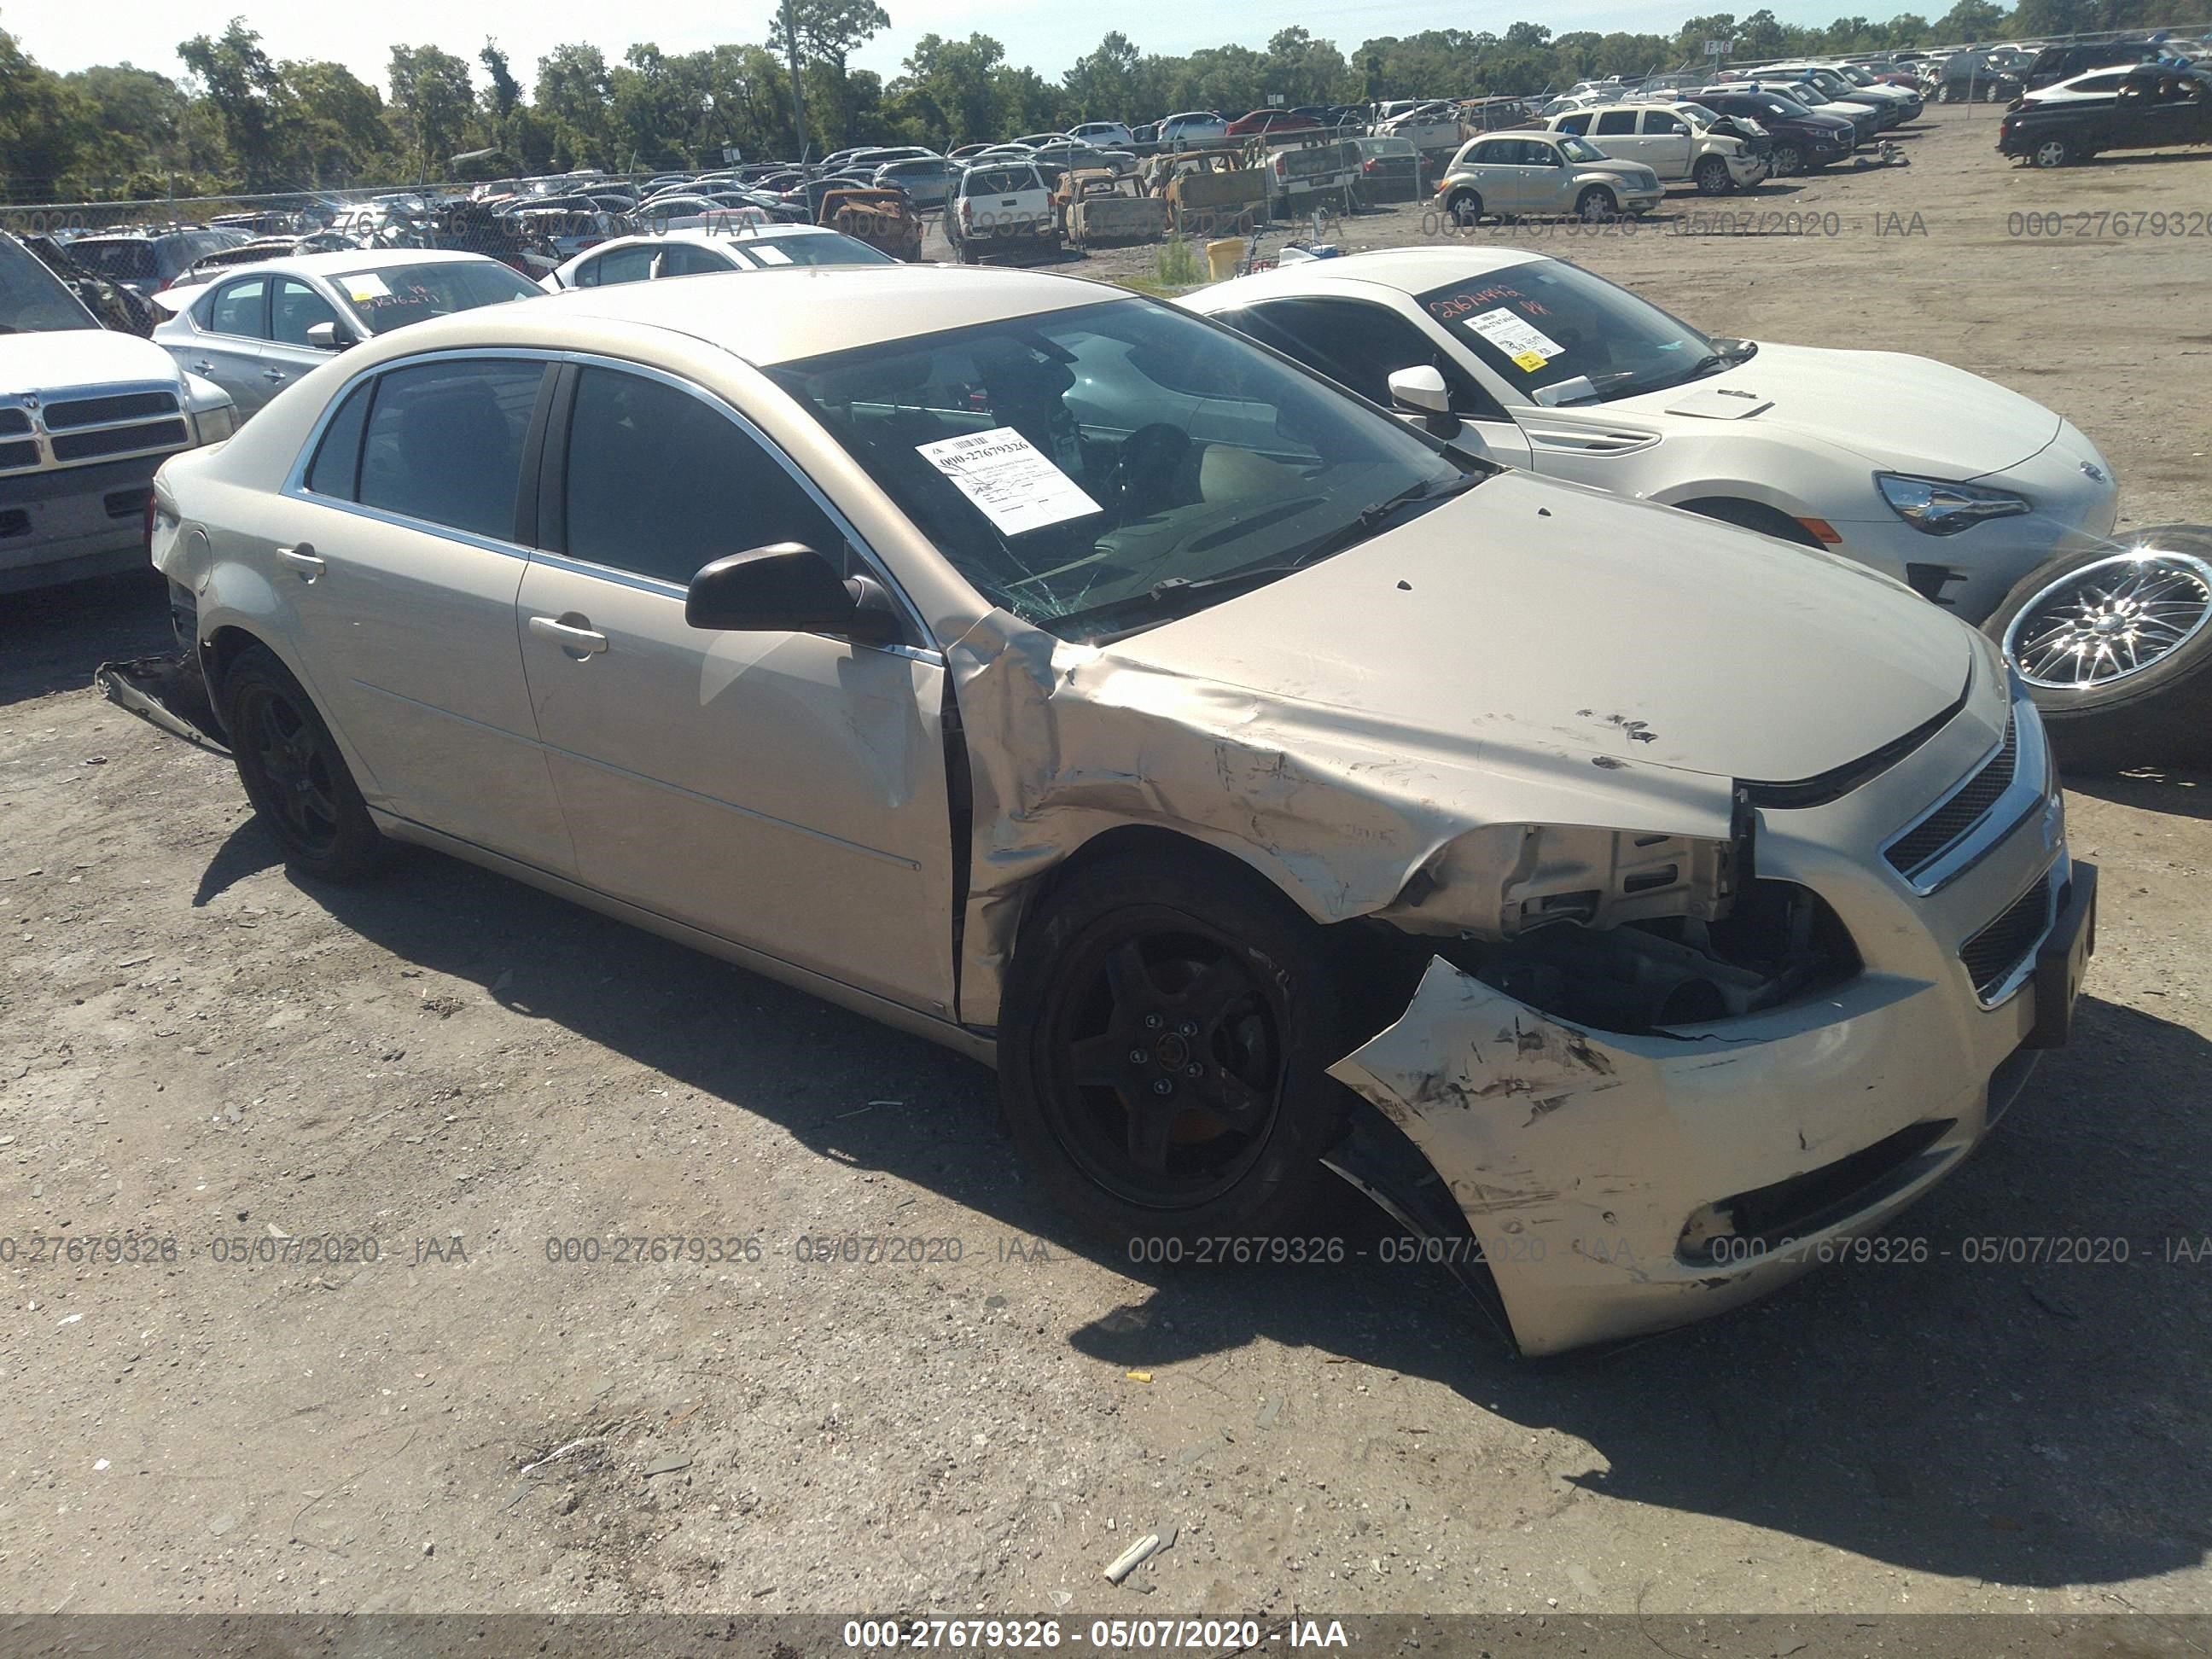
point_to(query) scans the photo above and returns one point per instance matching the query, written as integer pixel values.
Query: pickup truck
(2158, 107)
(1319, 171)
(86, 414)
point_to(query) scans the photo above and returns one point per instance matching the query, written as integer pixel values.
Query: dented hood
(1529, 616)
(1904, 413)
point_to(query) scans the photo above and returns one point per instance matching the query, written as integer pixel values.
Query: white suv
(1678, 144)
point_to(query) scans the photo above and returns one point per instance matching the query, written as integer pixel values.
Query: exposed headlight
(1939, 507)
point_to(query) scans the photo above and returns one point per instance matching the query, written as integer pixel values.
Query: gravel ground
(195, 1045)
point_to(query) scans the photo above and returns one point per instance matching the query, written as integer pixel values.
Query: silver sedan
(255, 329)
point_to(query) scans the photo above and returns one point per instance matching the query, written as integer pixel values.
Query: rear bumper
(74, 522)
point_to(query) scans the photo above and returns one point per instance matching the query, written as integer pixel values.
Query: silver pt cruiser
(1073, 682)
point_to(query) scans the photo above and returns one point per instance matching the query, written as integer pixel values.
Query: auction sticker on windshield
(364, 286)
(1010, 480)
(1529, 347)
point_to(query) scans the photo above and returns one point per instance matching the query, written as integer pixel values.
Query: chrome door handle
(203, 367)
(578, 638)
(303, 559)
(276, 375)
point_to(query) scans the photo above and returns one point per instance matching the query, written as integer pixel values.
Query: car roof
(357, 260)
(800, 310)
(1406, 269)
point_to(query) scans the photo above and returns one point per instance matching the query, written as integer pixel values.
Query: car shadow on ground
(2153, 789)
(52, 638)
(1985, 1410)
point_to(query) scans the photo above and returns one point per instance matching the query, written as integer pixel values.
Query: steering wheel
(1144, 469)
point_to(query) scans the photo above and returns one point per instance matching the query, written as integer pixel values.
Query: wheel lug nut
(1194, 1070)
(1154, 1022)
(1138, 1056)
(1162, 1086)
(1188, 1027)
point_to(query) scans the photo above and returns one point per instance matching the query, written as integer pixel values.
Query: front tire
(2116, 647)
(1596, 203)
(294, 772)
(1466, 209)
(1712, 177)
(2053, 153)
(1163, 1046)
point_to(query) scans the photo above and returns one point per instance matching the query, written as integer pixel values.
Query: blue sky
(66, 35)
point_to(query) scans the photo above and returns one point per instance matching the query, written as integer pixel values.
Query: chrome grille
(1991, 955)
(90, 425)
(1952, 818)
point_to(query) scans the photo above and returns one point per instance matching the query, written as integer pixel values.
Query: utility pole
(798, 92)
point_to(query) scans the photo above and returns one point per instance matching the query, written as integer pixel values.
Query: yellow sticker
(1530, 361)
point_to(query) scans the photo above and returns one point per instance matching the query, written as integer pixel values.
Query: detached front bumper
(1619, 1184)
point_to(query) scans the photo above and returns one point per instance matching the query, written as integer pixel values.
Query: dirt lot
(194, 1046)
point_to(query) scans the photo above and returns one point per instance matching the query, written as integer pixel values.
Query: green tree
(829, 33)
(432, 101)
(572, 101)
(334, 131)
(134, 126)
(946, 90)
(243, 89)
(1103, 84)
(1967, 22)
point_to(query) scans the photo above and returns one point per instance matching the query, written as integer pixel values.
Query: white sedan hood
(1903, 414)
(1536, 620)
(71, 359)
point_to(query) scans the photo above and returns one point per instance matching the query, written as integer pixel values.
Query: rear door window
(688, 259)
(240, 308)
(443, 442)
(1616, 122)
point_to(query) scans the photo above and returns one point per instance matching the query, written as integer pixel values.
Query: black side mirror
(787, 587)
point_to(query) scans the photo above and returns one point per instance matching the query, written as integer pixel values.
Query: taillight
(1367, 166)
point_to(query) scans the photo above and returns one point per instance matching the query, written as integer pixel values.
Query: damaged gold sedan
(1075, 682)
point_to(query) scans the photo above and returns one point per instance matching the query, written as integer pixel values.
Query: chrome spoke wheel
(2110, 619)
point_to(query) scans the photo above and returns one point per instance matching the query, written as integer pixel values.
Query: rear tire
(2058, 620)
(294, 773)
(1163, 1050)
(1789, 160)
(2052, 153)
